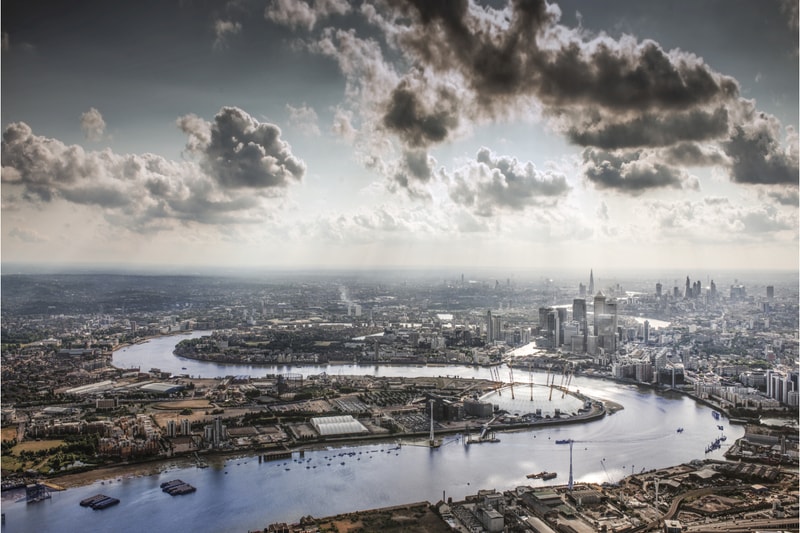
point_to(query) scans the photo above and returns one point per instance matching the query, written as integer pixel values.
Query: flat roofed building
(338, 425)
(161, 388)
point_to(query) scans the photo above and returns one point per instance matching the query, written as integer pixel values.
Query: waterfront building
(215, 433)
(337, 425)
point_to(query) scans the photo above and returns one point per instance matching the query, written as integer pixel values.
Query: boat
(563, 441)
(680, 430)
(177, 487)
(721, 428)
(106, 502)
(542, 475)
(715, 414)
(99, 501)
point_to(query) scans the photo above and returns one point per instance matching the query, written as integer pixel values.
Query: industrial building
(334, 426)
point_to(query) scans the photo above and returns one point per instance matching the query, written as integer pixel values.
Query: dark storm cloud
(650, 130)
(145, 192)
(443, 68)
(523, 55)
(418, 123)
(240, 152)
(492, 183)
(758, 157)
(630, 173)
(627, 76)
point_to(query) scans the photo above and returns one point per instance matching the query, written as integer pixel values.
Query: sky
(413, 134)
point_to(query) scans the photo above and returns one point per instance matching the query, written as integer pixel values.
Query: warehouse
(161, 389)
(337, 426)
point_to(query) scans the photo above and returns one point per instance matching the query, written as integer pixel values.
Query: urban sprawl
(730, 344)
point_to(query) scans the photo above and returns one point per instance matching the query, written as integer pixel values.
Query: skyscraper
(658, 289)
(579, 309)
(770, 292)
(591, 281)
(600, 304)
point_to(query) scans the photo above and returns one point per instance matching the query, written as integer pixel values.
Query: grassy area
(21, 458)
(36, 445)
(183, 404)
(419, 518)
(9, 433)
(10, 463)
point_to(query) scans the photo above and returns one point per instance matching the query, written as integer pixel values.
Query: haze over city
(331, 134)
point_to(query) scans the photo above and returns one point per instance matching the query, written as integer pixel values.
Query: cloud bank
(240, 163)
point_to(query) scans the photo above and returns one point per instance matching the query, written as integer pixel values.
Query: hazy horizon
(334, 135)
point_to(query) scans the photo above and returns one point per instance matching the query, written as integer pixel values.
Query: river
(241, 494)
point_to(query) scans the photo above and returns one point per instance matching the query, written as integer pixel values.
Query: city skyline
(330, 134)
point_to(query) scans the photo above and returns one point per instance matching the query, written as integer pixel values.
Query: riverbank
(116, 473)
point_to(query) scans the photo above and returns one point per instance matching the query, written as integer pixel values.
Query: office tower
(489, 327)
(591, 282)
(579, 310)
(554, 327)
(600, 304)
(687, 293)
(582, 290)
(646, 331)
(497, 328)
(770, 292)
(658, 289)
